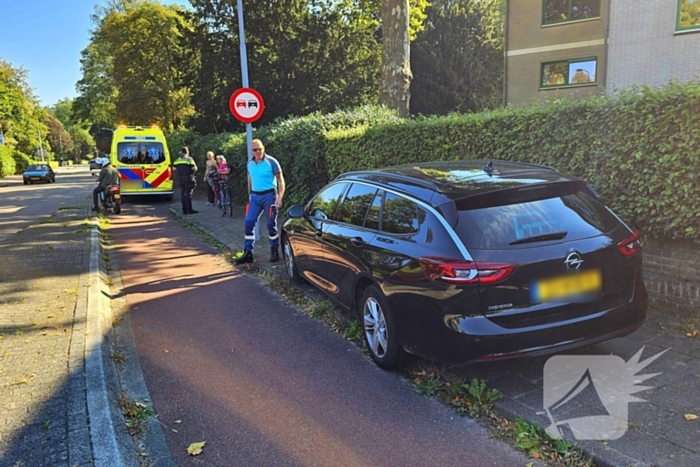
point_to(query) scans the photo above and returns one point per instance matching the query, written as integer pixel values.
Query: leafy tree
(144, 43)
(83, 143)
(63, 111)
(398, 22)
(310, 55)
(97, 91)
(59, 139)
(396, 65)
(19, 110)
(457, 61)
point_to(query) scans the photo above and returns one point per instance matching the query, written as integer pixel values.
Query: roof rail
(529, 164)
(404, 178)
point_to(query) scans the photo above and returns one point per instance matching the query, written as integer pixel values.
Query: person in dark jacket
(108, 176)
(186, 168)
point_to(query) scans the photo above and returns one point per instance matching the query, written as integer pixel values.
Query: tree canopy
(457, 61)
(151, 63)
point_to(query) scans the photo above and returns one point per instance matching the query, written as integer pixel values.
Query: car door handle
(385, 240)
(319, 232)
(357, 241)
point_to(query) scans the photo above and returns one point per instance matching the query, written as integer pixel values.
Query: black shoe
(192, 211)
(274, 254)
(95, 208)
(246, 258)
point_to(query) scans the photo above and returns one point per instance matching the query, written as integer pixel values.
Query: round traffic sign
(246, 105)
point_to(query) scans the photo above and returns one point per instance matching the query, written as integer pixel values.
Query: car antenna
(488, 168)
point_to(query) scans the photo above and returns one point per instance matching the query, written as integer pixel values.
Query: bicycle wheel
(226, 200)
(230, 202)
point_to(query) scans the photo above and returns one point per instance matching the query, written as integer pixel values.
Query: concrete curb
(104, 441)
(106, 380)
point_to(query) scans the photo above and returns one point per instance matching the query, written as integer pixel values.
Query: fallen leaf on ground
(195, 448)
(535, 455)
(166, 350)
(177, 421)
(693, 334)
(690, 416)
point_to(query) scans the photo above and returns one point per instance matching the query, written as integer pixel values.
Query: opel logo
(573, 261)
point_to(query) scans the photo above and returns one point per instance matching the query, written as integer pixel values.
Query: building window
(559, 11)
(569, 72)
(688, 15)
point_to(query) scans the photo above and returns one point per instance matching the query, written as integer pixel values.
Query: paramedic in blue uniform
(266, 187)
(186, 168)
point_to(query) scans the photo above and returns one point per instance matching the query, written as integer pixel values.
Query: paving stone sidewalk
(658, 433)
(56, 389)
(43, 268)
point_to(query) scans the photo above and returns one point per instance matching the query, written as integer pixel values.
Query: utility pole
(60, 140)
(244, 74)
(41, 146)
(2, 137)
(244, 77)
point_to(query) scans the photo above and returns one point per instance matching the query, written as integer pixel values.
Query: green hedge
(21, 161)
(7, 162)
(640, 149)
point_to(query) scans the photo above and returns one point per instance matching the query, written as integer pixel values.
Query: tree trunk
(396, 57)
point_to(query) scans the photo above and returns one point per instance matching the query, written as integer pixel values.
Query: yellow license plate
(117, 196)
(35, 179)
(577, 285)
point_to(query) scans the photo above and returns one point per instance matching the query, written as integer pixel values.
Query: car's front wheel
(380, 330)
(290, 261)
(26, 182)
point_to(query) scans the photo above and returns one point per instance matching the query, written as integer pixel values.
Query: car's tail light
(170, 173)
(631, 245)
(463, 272)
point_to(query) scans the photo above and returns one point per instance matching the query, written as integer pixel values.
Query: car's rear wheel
(290, 261)
(379, 330)
(117, 208)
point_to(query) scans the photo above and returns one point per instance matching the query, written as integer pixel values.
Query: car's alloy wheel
(289, 262)
(380, 332)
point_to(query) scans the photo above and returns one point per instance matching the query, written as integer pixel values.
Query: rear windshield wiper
(540, 238)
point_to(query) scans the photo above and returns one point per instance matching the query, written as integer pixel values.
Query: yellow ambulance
(141, 156)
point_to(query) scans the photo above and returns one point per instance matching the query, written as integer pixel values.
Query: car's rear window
(578, 214)
(140, 152)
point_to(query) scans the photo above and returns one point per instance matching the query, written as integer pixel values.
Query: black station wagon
(469, 260)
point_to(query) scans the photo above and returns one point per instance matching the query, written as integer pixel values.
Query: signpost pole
(244, 73)
(2, 137)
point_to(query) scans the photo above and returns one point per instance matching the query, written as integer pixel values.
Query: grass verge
(135, 413)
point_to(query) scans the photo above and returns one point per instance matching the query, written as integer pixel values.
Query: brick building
(578, 48)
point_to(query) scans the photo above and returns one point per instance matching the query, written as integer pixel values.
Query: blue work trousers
(261, 204)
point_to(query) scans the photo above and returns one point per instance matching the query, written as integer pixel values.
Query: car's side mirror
(296, 211)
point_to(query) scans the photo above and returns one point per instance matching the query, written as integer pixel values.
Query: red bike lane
(227, 362)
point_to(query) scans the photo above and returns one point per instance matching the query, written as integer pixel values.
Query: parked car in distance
(96, 164)
(469, 261)
(38, 173)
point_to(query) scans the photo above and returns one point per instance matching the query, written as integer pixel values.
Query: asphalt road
(23, 205)
(228, 363)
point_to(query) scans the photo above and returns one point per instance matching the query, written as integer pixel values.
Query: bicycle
(225, 196)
